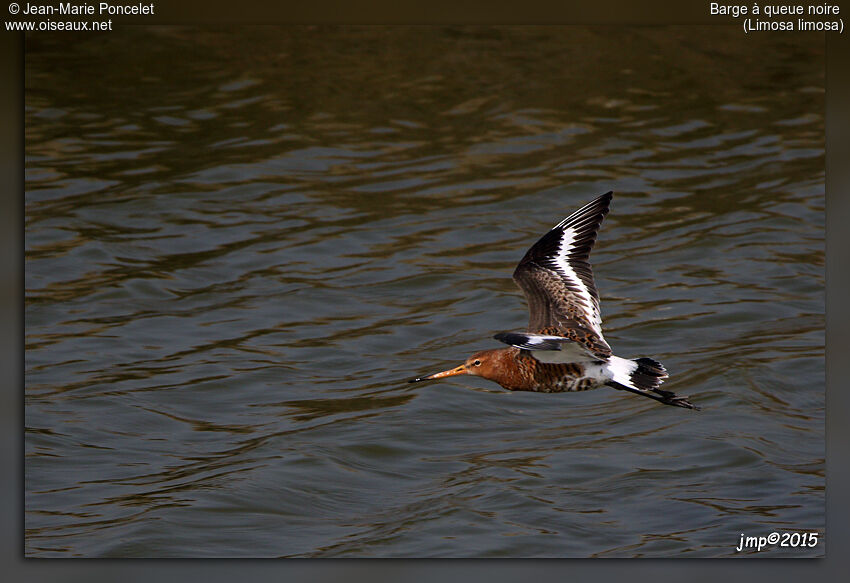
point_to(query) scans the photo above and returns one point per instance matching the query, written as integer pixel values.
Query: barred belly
(561, 378)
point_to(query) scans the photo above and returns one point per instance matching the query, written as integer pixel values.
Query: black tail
(646, 379)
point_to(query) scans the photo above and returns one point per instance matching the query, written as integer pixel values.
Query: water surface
(241, 242)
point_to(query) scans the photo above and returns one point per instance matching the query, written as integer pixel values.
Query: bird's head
(493, 365)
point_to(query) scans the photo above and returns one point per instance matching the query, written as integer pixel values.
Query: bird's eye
(477, 363)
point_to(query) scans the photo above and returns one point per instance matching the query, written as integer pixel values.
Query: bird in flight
(564, 349)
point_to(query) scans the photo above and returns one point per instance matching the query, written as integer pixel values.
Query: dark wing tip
(529, 341)
(597, 208)
(585, 223)
(512, 338)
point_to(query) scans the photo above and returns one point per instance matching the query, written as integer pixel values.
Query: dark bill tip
(439, 375)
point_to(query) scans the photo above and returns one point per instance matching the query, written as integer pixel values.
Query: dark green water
(241, 242)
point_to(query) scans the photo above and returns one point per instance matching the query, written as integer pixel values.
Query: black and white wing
(575, 347)
(558, 282)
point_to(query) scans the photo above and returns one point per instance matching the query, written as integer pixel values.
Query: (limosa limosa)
(563, 349)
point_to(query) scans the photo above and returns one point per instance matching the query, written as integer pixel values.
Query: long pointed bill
(439, 375)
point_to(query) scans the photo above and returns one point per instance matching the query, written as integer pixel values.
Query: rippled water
(241, 243)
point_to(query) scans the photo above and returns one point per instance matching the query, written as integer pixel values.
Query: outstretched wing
(557, 279)
(576, 345)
